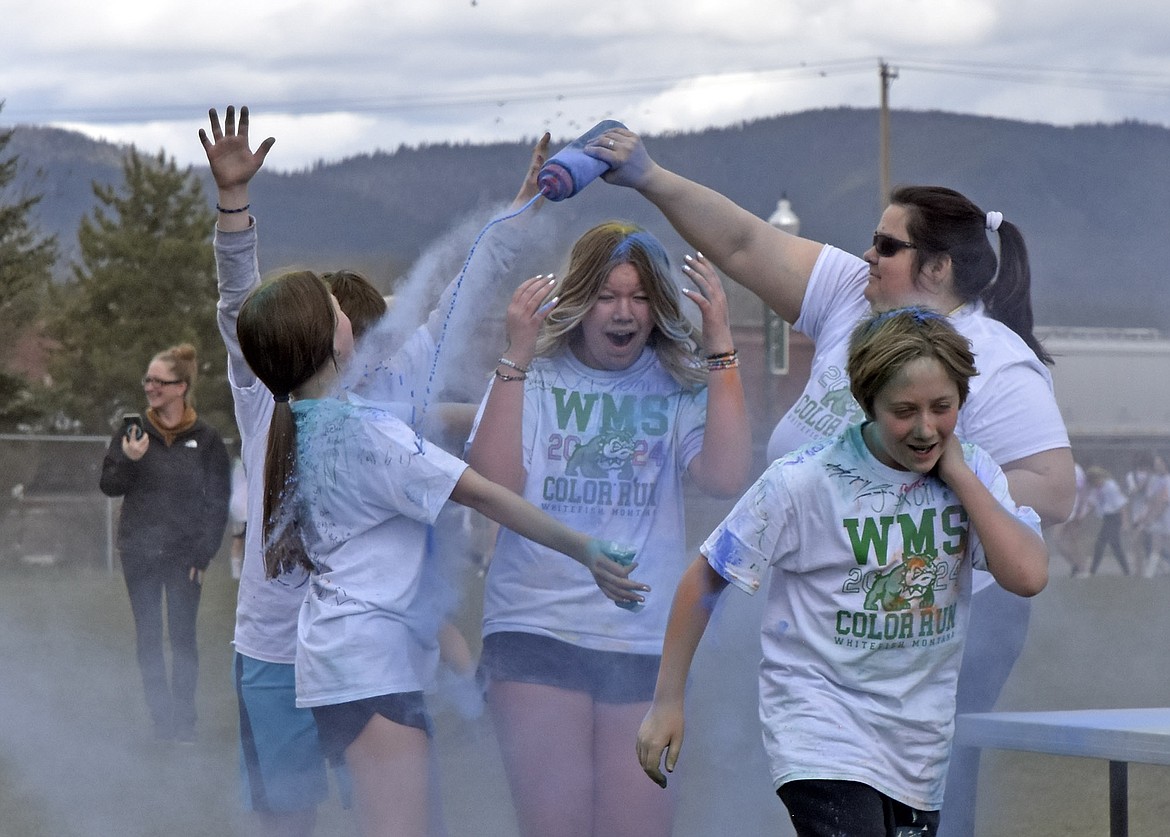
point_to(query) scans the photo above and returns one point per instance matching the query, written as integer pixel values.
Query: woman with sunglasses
(172, 470)
(931, 248)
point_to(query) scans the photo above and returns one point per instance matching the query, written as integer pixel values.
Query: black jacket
(175, 502)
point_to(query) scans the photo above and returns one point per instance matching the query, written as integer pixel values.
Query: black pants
(830, 808)
(1109, 535)
(172, 704)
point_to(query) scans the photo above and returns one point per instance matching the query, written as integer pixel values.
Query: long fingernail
(548, 306)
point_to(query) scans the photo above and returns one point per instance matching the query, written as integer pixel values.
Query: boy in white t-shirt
(871, 538)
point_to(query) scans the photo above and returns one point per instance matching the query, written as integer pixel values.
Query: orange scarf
(170, 433)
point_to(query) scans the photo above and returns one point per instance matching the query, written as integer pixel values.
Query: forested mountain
(1093, 200)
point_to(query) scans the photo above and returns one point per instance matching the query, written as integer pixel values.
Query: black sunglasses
(886, 245)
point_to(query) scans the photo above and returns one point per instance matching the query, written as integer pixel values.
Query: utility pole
(887, 74)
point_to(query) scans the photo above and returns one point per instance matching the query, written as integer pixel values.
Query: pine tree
(146, 281)
(26, 262)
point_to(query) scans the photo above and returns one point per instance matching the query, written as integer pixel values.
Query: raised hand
(529, 306)
(529, 188)
(233, 163)
(712, 302)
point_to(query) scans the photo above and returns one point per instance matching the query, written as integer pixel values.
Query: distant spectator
(173, 474)
(1137, 486)
(1108, 503)
(1156, 520)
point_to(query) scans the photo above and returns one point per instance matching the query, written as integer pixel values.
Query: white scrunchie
(994, 219)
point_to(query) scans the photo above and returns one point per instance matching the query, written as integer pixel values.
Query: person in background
(606, 397)
(930, 248)
(880, 525)
(1108, 503)
(173, 475)
(1137, 486)
(1156, 519)
(282, 769)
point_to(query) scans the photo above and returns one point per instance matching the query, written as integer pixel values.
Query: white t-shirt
(605, 453)
(1157, 490)
(1107, 498)
(367, 489)
(866, 612)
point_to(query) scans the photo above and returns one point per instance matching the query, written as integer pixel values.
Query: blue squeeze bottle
(623, 555)
(570, 170)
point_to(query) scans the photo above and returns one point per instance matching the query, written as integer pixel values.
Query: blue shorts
(607, 676)
(281, 765)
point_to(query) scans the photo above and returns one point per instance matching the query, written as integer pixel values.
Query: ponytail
(285, 330)
(1009, 297)
(941, 221)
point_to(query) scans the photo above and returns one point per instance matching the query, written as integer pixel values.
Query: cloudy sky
(335, 78)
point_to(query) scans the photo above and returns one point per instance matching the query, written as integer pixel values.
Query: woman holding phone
(172, 470)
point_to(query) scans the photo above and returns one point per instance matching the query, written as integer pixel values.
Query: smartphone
(132, 425)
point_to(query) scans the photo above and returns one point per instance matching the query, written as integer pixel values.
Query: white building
(1113, 385)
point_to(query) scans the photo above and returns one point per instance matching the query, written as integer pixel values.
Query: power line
(447, 99)
(1003, 73)
(1075, 77)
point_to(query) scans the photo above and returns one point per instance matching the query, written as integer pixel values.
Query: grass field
(77, 760)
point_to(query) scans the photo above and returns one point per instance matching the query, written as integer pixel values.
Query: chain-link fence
(51, 511)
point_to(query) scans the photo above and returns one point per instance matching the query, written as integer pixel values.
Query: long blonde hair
(674, 338)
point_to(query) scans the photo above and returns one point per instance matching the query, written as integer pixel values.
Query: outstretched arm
(771, 263)
(233, 165)
(513, 511)
(494, 262)
(662, 729)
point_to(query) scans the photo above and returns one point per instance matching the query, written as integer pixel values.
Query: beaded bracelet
(719, 355)
(243, 208)
(512, 365)
(504, 377)
(726, 361)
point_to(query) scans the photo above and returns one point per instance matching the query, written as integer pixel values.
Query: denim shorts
(607, 676)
